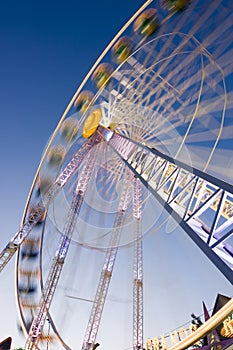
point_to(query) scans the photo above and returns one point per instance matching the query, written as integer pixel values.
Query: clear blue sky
(47, 47)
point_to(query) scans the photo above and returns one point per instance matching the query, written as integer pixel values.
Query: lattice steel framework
(106, 274)
(39, 210)
(59, 259)
(189, 195)
(138, 270)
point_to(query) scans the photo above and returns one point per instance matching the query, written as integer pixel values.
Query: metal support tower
(106, 274)
(59, 259)
(41, 207)
(138, 270)
(200, 203)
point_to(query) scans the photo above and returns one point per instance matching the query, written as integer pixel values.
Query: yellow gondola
(122, 49)
(101, 76)
(83, 100)
(91, 123)
(147, 23)
(56, 156)
(69, 129)
(43, 185)
(177, 5)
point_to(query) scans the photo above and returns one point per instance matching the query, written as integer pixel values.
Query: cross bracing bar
(40, 208)
(59, 259)
(199, 202)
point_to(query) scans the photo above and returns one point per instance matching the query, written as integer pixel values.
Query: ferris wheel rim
(88, 75)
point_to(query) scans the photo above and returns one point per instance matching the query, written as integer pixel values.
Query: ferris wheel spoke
(148, 77)
(177, 76)
(194, 115)
(167, 44)
(162, 63)
(226, 25)
(168, 112)
(200, 18)
(189, 203)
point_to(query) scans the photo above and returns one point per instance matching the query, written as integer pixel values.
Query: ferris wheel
(140, 142)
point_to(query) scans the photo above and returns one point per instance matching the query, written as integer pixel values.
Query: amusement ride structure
(149, 132)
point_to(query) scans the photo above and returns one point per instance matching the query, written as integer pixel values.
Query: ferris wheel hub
(91, 123)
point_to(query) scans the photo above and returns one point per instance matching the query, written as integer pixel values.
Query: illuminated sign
(227, 329)
(163, 343)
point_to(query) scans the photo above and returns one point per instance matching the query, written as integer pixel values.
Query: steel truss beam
(137, 270)
(200, 203)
